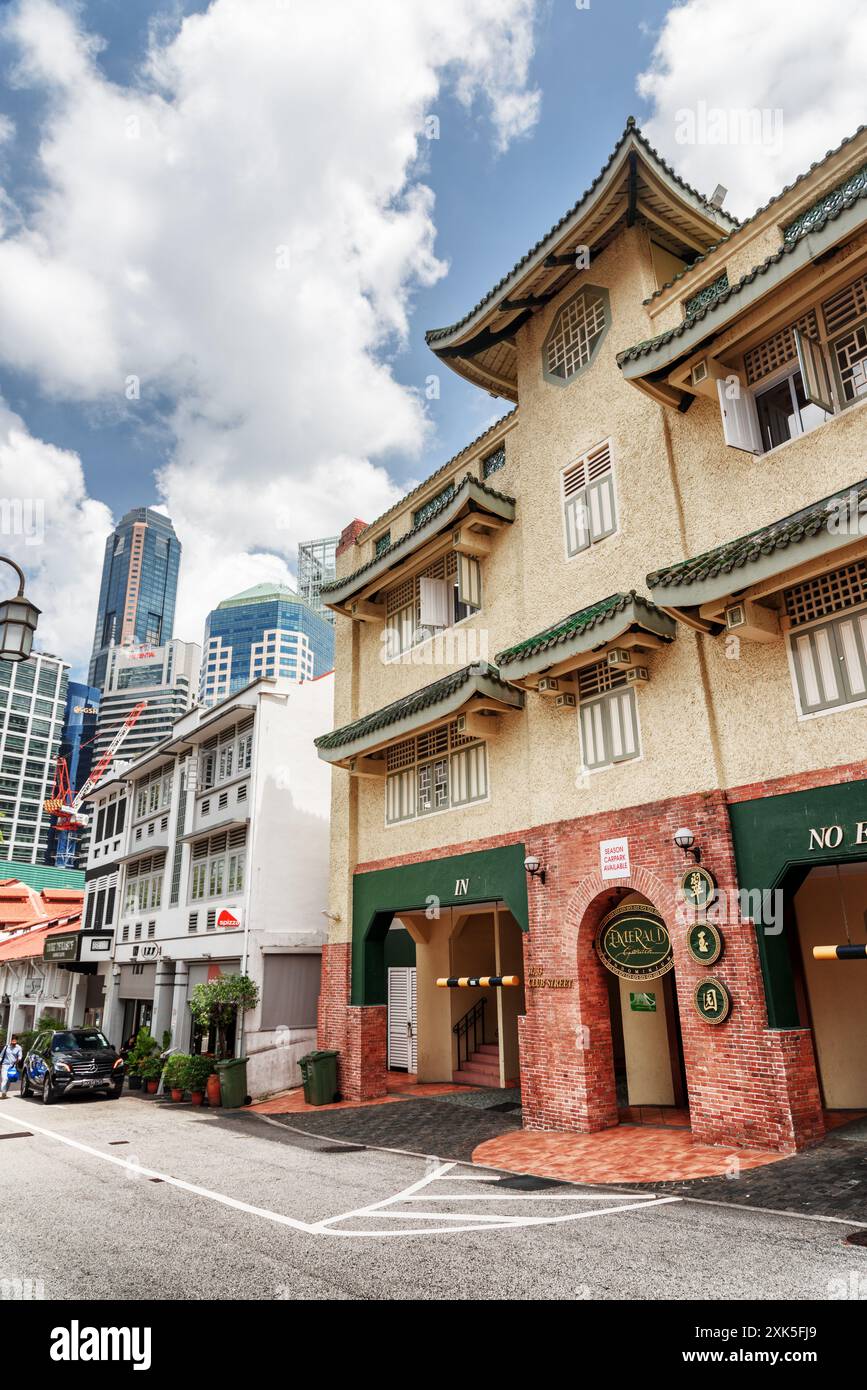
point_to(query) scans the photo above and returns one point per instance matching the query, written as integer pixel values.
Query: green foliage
(150, 1069)
(29, 1036)
(197, 1071)
(142, 1050)
(216, 1002)
(175, 1071)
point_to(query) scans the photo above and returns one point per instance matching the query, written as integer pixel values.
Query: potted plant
(174, 1075)
(144, 1047)
(196, 1074)
(216, 1004)
(151, 1069)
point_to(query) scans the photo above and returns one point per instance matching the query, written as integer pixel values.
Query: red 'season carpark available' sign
(225, 918)
(614, 858)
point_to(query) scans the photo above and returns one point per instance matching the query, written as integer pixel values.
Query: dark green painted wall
(486, 876)
(398, 948)
(774, 850)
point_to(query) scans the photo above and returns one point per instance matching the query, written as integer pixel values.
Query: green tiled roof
(830, 214)
(631, 606)
(419, 702)
(802, 525)
(699, 260)
(437, 506)
(435, 334)
(443, 468)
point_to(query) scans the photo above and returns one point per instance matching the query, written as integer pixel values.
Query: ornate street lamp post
(18, 619)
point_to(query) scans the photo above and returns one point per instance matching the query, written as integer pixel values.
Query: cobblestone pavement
(828, 1180)
(447, 1131)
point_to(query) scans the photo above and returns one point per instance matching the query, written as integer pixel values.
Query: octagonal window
(575, 335)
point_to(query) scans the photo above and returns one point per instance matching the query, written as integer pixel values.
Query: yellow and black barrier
(840, 953)
(477, 981)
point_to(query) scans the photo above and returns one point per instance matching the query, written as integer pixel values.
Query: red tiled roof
(23, 906)
(29, 944)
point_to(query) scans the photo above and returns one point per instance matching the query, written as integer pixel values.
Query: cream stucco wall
(730, 712)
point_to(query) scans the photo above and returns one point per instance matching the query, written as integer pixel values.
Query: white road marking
(475, 1221)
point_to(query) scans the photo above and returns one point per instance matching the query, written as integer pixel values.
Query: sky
(226, 226)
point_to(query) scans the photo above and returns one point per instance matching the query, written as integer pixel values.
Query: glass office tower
(268, 630)
(138, 589)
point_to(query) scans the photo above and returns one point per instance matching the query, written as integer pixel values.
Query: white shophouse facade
(223, 868)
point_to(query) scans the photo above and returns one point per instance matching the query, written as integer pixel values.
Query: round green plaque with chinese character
(698, 887)
(712, 1000)
(633, 942)
(704, 943)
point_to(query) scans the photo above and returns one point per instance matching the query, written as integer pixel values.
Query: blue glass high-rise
(139, 586)
(268, 630)
(76, 746)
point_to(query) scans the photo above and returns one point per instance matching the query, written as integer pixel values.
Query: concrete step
(476, 1076)
(481, 1063)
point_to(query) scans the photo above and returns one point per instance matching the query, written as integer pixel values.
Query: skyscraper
(165, 678)
(268, 630)
(316, 565)
(32, 702)
(67, 848)
(138, 589)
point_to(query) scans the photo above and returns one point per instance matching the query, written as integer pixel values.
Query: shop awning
(472, 688)
(823, 530)
(588, 630)
(469, 498)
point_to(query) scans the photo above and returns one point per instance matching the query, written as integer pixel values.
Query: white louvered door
(402, 1019)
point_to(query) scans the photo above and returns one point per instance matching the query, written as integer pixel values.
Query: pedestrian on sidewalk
(10, 1058)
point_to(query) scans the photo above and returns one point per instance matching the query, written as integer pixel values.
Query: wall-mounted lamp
(685, 840)
(18, 619)
(534, 868)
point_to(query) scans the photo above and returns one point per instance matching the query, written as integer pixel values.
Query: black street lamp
(18, 619)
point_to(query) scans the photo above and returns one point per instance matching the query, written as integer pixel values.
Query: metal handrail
(473, 1019)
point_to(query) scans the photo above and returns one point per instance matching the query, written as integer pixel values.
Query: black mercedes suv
(72, 1059)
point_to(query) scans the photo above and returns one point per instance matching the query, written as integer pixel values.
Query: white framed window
(446, 592)
(217, 864)
(144, 884)
(575, 335)
(829, 654)
(589, 502)
(435, 771)
(607, 718)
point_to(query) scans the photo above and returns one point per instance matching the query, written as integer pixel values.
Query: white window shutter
(600, 507)
(469, 581)
(577, 529)
(814, 371)
(740, 418)
(434, 595)
(593, 734)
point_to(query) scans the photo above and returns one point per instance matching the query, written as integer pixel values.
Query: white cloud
(55, 532)
(242, 230)
(803, 60)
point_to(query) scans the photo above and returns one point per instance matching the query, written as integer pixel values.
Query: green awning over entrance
(458, 880)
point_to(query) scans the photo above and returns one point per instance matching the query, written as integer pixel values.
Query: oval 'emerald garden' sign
(633, 942)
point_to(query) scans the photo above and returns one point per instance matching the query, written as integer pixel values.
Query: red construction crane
(63, 802)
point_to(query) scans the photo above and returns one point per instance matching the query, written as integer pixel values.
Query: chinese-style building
(601, 681)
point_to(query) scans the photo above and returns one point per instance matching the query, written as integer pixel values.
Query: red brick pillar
(357, 1034)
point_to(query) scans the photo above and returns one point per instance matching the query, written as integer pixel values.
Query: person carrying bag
(10, 1062)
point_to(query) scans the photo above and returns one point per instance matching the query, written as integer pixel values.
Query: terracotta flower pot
(152, 1087)
(177, 1093)
(213, 1090)
(197, 1097)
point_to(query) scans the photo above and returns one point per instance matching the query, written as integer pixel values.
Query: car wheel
(25, 1086)
(114, 1093)
(48, 1094)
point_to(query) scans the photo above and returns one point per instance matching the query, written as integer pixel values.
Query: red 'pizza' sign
(227, 919)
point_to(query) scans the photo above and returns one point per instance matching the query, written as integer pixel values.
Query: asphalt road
(128, 1199)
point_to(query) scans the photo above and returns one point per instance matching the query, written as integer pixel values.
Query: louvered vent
(845, 306)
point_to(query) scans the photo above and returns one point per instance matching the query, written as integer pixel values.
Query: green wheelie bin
(233, 1082)
(319, 1074)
